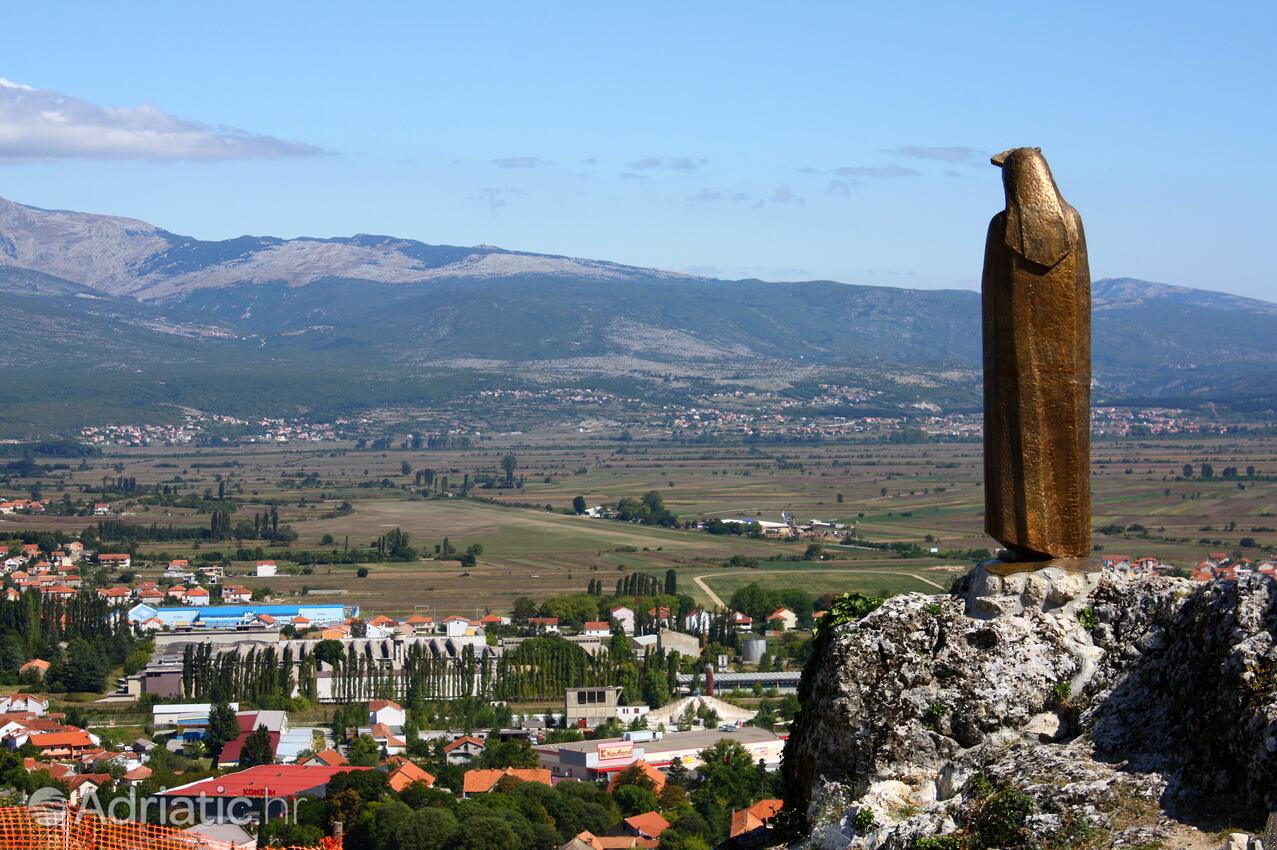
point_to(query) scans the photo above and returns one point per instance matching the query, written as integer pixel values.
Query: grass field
(929, 494)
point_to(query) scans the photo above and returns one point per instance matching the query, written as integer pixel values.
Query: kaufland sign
(612, 752)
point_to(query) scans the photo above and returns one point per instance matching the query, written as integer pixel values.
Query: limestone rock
(1107, 711)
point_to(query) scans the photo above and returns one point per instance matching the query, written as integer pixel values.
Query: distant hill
(125, 313)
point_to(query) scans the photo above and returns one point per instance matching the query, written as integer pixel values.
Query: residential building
(783, 619)
(236, 594)
(544, 625)
(755, 817)
(597, 628)
(463, 750)
(647, 825)
(483, 781)
(386, 711)
(407, 774)
(624, 616)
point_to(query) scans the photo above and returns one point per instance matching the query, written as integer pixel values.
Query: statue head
(1040, 226)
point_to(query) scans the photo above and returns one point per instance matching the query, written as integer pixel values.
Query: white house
(597, 628)
(463, 750)
(197, 596)
(784, 619)
(234, 594)
(265, 569)
(545, 625)
(458, 626)
(625, 617)
(24, 703)
(697, 621)
(385, 711)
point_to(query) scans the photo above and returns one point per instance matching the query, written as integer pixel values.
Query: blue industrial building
(230, 616)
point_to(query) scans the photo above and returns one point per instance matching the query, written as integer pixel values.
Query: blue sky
(785, 141)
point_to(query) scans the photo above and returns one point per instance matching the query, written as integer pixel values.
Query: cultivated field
(927, 494)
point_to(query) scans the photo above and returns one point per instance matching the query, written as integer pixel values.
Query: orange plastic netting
(62, 829)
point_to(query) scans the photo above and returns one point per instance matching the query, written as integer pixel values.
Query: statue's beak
(999, 158)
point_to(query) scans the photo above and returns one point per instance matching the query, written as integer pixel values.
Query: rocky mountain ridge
(124, 256)
(336, 325)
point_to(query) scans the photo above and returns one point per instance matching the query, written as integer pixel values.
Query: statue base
(1006, 567)
(997, 588)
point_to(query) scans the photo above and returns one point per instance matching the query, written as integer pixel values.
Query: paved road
(718, 601)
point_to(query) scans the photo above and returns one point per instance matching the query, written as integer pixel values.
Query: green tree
(257, 748)
(516, 752)
(635, 800)
(84, 669)
(364, 752)
(223, 727)
(509, 464)
(578, 504)
(427, 829)
(486, 832)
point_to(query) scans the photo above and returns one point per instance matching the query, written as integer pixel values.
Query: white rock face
(1099, 710)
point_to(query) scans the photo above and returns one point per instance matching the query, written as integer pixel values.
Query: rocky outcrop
(1047, 709)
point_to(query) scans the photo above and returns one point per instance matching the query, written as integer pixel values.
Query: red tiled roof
(658, 778)
(407, 774)
(648, 824)
(750, 819)
(68, 738)
(277, 780)
(330, 758)
(464, 739)
(483, 781)
(612, 842)
(233, 749)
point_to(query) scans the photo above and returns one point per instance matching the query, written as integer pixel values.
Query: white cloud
(708, 195)
(884, 171)
(954, 153)
(521, 162)
(38, 124)
(782, 195)
(674, 163)
(496, 197)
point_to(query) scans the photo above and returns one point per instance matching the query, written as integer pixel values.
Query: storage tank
(752, 649)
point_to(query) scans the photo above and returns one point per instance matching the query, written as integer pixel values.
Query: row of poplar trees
(538, 668)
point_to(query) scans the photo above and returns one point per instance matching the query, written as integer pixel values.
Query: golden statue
(1037, 368)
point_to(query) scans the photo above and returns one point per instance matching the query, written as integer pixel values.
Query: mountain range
(122, 318)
